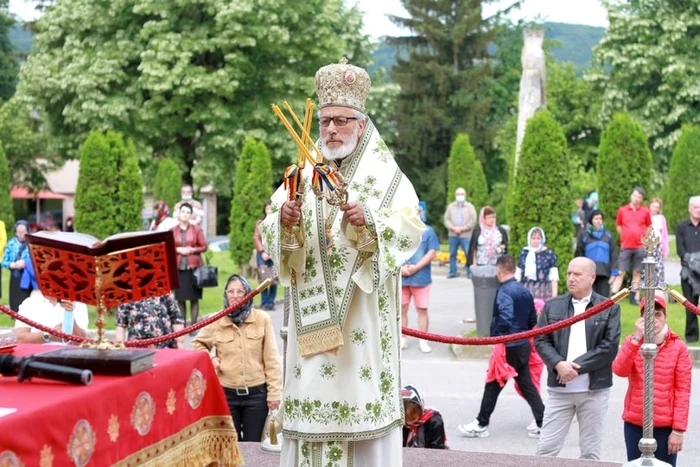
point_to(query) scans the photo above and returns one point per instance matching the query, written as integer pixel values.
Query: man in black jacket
(687, 247)
(579, 364)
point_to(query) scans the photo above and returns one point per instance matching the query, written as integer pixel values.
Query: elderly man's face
(694, 210)
(340, 131)
(580, 277)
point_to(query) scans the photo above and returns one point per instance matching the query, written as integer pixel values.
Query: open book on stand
(122, 268)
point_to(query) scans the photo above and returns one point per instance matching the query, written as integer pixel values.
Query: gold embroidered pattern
(82, 443)
(171, 402)
(113, 428)
(196, 387)
(142, 413)
(46, 456)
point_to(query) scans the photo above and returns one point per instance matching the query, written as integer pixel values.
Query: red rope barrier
(513, 337)
(136, 343)
(677, 296)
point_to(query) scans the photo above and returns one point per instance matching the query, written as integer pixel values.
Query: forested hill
(572, 43)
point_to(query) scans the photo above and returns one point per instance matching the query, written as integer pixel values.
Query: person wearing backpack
(598, 244)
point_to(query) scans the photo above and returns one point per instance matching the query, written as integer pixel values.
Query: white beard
(344, 150)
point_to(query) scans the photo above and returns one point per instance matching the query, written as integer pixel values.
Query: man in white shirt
(579, 364)
(49, 312)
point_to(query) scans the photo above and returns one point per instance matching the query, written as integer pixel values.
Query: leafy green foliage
(109, 197)
(190, 79)
(464, 170)
(682, 180)
(251, 191)
(650, 68)
(25, 141)
(443, 90)
(8, 60)
(130, 192)
(167, 182)
(624, 161)
(543, 189)
(6, 208)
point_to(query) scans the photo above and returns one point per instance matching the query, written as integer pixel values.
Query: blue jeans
(267, 296)
(455, 243)
(633, 434)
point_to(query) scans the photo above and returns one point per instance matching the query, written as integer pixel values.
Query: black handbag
(206, 276)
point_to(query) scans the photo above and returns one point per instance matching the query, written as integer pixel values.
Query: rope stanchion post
(649, 350)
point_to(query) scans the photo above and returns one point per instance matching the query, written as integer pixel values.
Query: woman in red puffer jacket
(672, 376)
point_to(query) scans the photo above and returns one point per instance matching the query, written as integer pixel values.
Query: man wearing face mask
(197, 209)
(460, 220)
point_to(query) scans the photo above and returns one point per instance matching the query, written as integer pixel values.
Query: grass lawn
(212, 299)
(630, 313)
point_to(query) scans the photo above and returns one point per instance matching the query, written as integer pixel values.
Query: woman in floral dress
(151, 317)
(537, 266)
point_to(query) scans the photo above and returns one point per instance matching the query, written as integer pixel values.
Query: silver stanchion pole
(647, 445)
(285, 328)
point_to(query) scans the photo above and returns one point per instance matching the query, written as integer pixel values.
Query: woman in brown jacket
(190, 244)
(246, 360)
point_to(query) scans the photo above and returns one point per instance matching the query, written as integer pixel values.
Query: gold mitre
(343, 85)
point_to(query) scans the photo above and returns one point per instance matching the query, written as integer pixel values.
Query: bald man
(579, 364)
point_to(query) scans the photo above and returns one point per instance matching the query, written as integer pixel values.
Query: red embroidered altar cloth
(173, 414)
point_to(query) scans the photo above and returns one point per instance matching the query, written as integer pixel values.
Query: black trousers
(691, 320)
(602, 286)
(249, 412)
(519, 358)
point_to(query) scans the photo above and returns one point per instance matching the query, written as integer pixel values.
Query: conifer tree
(251, 190)
(682, 179)
(130, 201)
(6, 209)
(624, 161)
(464, 170)
(542, 190)
(167, 183)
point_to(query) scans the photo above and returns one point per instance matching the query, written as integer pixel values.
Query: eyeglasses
(325, 122)
(236, 293)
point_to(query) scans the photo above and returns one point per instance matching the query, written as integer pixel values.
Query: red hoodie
(672, 377)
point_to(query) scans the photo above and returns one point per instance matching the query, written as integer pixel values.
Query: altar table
(173, 414)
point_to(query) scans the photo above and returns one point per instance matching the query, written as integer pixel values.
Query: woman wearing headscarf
(246, 360)
(537, 266)
(162, 221)
(489, 240)
(12, 260)
(423, 427)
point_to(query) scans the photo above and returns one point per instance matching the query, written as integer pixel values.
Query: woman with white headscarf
(537, 266)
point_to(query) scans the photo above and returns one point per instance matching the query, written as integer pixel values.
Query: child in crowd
(423, 427)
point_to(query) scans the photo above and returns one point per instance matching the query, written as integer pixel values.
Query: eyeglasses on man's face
(325, 122)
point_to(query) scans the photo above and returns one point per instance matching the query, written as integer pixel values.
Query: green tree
(464, 170)
(190, 79)
(624, 161)
(98, 183)
(29, 148)
(167, 182)
(130, 201)
(444, 90)
(542, 189)
(8, 55)
(649, 67)
(109, 195)
(6, 208)
(253, 187)
(682, 183)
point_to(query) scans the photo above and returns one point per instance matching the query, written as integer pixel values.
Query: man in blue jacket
(513, 311)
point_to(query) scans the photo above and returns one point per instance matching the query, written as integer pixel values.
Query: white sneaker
(532, 426)
(424, 346)
(474, 430)
(535, 433)
(404, 343)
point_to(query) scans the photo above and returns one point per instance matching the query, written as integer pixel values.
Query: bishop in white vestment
(341, 402)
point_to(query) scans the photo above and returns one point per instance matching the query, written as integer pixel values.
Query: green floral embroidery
(334, 454)
(336, 260)
(366, 190)
(297, 371)
(365, 373)
(388, 234)
(386, 382)
(382, 151)
(309, 310)
(404, 242)
(305, 450)
(389, 259)
(358, 336)
(310, 266)
(310, 292)
(328, 371)
(339, 291)
(308, 220)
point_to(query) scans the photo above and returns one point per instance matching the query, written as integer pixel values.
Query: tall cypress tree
(442, 90)
(542, 189)
(464, 170)
(253, 187)
(167, 183)
(682, 182)
(130, 191)
(624, 161)
(6, 209)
